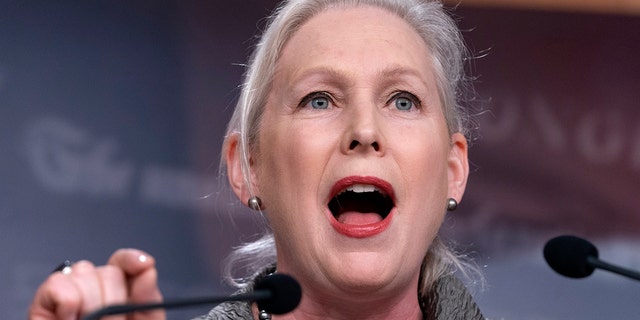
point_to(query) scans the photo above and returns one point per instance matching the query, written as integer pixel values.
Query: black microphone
(575, 257)
(275, 293)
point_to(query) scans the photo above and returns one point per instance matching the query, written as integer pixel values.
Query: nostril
(355, 143)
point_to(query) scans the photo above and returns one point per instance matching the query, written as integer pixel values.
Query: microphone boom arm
(179, 303)
(597, 263)
(275, 293)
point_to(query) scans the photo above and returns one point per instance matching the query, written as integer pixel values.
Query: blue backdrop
(112, 115)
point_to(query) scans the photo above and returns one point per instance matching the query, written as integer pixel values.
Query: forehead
(355, 39)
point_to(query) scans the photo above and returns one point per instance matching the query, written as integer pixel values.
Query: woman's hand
(130, 276)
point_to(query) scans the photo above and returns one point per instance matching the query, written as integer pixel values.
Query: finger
(142, 276)
(113, 286)
(132, 261)
(140, 272)
(86, 279)
(57, 298)
(144, 289)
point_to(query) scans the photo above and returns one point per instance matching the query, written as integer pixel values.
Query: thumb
(142, 280)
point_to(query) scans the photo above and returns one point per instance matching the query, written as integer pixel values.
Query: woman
(348, 135)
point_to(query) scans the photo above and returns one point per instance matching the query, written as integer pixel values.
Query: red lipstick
(355, 224)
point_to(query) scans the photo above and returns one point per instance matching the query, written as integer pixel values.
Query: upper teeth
(359, 188)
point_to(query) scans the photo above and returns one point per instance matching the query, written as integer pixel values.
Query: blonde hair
(441, 35)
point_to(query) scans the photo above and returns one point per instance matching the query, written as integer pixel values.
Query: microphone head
(286, 293)
(568, 256)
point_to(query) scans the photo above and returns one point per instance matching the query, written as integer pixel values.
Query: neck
(403, 305)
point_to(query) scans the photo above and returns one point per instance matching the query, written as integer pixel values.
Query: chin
(365, 273)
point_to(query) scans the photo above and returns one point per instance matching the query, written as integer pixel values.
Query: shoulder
(449, 299)
(234, 310)
(237, 310)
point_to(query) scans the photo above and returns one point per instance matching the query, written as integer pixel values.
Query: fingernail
(142, 258)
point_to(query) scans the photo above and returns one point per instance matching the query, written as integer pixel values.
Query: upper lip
(381, 185)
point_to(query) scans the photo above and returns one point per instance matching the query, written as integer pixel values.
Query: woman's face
(354, 161)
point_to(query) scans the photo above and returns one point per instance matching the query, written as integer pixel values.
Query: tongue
(359, 218)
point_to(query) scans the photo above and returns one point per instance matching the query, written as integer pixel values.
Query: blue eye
(405, 101)
(403, 104)
(318, 100)
(319, 103)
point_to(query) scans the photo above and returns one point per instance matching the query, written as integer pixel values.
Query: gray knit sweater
(447, 300)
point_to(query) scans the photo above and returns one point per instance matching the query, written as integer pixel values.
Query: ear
(458, 166)
(236, 177)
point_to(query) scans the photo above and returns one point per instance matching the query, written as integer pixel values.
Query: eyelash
(317, 94)
(417, 103)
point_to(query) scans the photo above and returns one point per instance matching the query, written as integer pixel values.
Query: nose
(364, 132)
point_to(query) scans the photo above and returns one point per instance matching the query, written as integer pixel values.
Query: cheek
(423, 158)
(292, 158)
(423, 164)
(292, 161)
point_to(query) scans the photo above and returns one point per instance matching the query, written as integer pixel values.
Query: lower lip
(361, 231)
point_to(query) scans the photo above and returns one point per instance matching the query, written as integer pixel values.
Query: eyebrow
(324, 73)
(394, 72)
(390, 74)
(398, 70)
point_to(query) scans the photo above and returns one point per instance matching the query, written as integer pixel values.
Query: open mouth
(361, 204)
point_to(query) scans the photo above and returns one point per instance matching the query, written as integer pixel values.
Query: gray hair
(442, 36)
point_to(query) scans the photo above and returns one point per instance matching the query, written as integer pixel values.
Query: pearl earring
(452, 204)
(254, 203)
